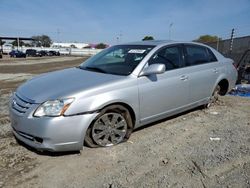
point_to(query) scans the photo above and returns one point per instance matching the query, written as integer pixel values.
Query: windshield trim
(84, 68)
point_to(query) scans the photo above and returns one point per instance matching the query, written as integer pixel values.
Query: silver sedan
(101, 102)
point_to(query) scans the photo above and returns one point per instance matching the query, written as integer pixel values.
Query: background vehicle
(120, 89)
(43, 53)
(17, 53)
(53, 53)
(7, 48)
(33, 53)
(243, 68)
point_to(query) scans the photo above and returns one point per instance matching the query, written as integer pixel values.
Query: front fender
(90, 104)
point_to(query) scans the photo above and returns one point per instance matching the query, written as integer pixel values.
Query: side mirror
(153, 69)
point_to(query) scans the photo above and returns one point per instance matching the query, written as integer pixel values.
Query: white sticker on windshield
(136, 51)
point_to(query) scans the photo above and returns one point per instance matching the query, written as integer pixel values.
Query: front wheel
(112, 126)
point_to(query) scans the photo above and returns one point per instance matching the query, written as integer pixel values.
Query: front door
(163, 94)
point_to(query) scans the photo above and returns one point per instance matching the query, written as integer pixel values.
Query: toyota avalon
(100, 102)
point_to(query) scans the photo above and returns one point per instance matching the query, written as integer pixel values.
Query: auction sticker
(136, 51)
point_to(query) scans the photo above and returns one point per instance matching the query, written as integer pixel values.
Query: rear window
(211, 56)
(196, 55)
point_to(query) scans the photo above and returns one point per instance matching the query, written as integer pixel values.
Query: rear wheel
(214, 97)
(112, 126)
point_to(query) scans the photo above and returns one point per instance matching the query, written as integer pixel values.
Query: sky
(117, 21)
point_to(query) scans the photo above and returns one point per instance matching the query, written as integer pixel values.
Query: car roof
(161, 42)
(150, 42)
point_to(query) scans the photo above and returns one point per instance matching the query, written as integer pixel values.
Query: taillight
(235, 65)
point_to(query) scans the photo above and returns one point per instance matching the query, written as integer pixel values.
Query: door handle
(215, 70)
(184, 77)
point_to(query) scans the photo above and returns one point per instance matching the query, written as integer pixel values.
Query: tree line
(38, 41)
(46, 41)
(201, 39)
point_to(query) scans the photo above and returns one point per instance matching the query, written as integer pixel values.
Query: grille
(20, 104)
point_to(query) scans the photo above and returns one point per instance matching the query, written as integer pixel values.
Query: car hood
(63, 83)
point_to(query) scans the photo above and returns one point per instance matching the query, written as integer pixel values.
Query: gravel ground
(199, 148)
(34, 60)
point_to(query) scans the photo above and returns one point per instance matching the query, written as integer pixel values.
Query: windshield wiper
(96, 69)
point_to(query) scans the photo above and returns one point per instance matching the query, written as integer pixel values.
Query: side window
(211, 56)
(196, 55)
(171, 57)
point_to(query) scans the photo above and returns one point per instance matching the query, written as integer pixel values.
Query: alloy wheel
(109, 129)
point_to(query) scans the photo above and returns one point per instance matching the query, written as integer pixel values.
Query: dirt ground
(200, 148)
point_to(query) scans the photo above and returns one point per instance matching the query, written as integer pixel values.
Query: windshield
(120, 59)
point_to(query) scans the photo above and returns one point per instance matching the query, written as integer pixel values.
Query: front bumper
(64, 133)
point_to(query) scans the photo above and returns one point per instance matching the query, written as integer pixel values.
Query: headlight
(53, 108)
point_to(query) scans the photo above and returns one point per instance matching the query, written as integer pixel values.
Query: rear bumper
(64, 133)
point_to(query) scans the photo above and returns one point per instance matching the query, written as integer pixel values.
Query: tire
(112, 126)
(215, 97)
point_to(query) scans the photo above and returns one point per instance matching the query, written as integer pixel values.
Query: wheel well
(223, 86)
(130, 109)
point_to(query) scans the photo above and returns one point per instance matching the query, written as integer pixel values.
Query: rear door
(203, 70)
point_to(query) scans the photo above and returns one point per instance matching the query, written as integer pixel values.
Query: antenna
(58, 33)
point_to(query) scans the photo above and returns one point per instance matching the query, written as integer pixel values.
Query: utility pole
(231, 41)
(18, 43)
(119, 37)
(217, 46)
(58, 32)
(170, 26)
